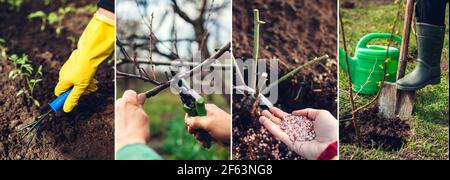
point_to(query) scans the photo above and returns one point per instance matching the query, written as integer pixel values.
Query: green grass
(430, 119)
(168, 130)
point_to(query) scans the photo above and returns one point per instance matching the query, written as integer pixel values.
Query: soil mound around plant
(376, 132)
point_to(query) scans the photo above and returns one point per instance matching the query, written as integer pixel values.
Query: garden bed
(85, 133)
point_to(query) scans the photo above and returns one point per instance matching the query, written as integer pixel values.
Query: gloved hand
(325, 126)
(95, 45)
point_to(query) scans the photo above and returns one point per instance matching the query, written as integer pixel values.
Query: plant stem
(293, 73)
(254, 73)
(141, 71)
(354, 121)
(385, 62)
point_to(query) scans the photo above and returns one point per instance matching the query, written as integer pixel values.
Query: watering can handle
(366, 39)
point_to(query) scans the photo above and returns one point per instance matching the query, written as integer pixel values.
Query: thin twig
(345, 120)
(206, 33)
(293, 73)
(367, 81)
(355, 123)
(385, 62)
(172, 54)
(206, 62)
(125, 53)
(175, 63)
(151, 48)
(142, 73)
(123, 75)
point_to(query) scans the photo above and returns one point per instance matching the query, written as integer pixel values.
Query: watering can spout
(342, 63)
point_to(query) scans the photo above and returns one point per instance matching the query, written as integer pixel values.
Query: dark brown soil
(295, 32)
(85, 133)
(376, 132)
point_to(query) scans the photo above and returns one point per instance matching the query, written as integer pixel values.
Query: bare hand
(216, 123)
(132, 124)
(325, 126)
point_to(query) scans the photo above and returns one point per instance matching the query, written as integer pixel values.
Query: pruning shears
(55, 106)
(194, 105)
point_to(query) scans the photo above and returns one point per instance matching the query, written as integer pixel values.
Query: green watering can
(366, 67)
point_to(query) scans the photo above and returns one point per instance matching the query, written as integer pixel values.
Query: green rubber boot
(427, 70)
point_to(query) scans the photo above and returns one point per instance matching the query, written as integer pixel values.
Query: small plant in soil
(24, 69)
(52, 18)
(13, 4)
(2, 48)
(73, 41)
(257, 144)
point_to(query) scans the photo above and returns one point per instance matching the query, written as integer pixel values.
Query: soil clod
(376, 132)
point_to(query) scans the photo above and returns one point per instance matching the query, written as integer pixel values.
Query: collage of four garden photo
(224, 80)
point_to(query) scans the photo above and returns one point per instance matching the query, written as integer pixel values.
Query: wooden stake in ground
(392, 102)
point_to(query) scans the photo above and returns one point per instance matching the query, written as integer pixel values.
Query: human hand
(325, 127)
(132, 123)
(95, 45)
(216, 123)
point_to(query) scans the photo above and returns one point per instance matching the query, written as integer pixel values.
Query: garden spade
(55, 106)
(392, 102)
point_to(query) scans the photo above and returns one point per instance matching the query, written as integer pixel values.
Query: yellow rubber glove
(95, 45)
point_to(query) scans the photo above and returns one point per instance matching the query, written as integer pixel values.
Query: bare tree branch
(202, 10)
(123, 75)
(152, 35)
(181, 13)
(176, 63)
(142, 73)
(206, 62)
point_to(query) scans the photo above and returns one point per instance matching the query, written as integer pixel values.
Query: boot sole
(433, 81)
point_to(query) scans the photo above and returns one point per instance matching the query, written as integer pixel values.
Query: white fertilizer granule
(298, 128)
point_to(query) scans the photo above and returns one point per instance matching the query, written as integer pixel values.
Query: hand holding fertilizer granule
(298, 128)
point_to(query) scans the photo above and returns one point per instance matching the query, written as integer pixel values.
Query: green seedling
(89, 9)
(73, 41)
(60, 16)
(52, 18)
(13, 4)
(22, 66)
(45, 18)
(2, 48)
(24, 69)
